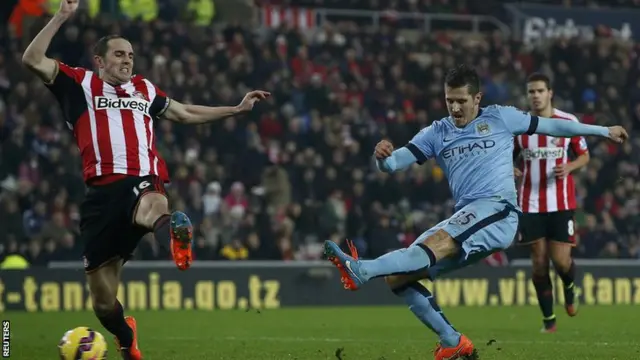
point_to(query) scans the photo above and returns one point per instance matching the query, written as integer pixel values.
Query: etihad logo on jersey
(471, 149)
(543, 153)
(135, 104)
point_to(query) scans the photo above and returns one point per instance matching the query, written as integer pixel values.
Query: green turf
(363, 333)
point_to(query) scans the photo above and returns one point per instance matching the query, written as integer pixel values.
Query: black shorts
(553, 226)
(107, 229)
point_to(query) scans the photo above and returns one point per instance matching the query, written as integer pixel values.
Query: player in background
(112, 113)
(547, 198)
(474, 147)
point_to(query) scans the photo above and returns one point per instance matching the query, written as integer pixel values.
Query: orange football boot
(464, 350)
(131, 353)
(181, 239)
(332, 252)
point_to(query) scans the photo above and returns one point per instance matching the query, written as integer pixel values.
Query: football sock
(161, 230)
(567, 280)
(544, 290)
(423, 305)
(115, 323)
(400, 261)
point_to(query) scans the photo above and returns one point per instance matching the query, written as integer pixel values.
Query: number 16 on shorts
(6, 339)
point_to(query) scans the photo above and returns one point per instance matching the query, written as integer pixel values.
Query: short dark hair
(540, 77)
(101, 47)
(461, 76)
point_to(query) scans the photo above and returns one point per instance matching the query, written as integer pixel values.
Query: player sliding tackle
(474, 147)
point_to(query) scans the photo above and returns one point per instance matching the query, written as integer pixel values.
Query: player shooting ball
(112, 114)
(474, 147)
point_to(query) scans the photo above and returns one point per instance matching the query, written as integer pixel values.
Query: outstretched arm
(553, 127)
(198, 114)
(34, 57)
(399, 160)
(521, 122)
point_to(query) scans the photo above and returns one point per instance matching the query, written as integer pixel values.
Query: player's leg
(105, 232)
(103, 286)
(542, 283)
(534, 230)
(131, 235)
(416, 258)
(452, 344)
(474, 232)
(560, 246)
(420, 300)
(152, 212)
(424, 306)
(495, 231)
(442, 244)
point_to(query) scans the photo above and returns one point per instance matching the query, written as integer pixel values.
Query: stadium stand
(275, 183)
(439, 5)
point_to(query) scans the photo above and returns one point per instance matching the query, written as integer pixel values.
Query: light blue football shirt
(477, 159)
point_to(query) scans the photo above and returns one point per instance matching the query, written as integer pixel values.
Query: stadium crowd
(442, 6)
(275, 183)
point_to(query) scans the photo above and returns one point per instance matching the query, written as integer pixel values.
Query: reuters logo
(134, 104)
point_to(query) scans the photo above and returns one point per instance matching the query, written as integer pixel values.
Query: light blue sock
(413, 258)
(424, 307)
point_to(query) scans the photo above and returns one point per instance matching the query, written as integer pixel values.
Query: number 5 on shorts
(143, 185)
(462, 218)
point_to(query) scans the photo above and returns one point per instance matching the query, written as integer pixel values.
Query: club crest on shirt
(139, 95)
(557, 142)
(583, 144)
(483, 129)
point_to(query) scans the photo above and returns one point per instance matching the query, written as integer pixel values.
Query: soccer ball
(82, 343)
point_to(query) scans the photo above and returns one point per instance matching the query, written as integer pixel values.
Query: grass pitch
(362, 333)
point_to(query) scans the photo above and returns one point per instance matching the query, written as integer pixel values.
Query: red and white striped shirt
(540, 190)
(299, 18)
(113, 125)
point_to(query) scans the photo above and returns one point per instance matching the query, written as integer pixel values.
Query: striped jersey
(540, 191)
(113, 125)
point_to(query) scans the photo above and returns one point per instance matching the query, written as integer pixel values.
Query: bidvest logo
(538, 28)
(543, 153)
(134, 104)
(540, 22)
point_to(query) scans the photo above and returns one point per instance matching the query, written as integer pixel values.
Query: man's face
(117, 64)
(461, 104)
(539, 95)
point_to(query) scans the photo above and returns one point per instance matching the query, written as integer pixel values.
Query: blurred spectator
(384, 238)
(235, 250)
(35, 253)
(11, 221)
